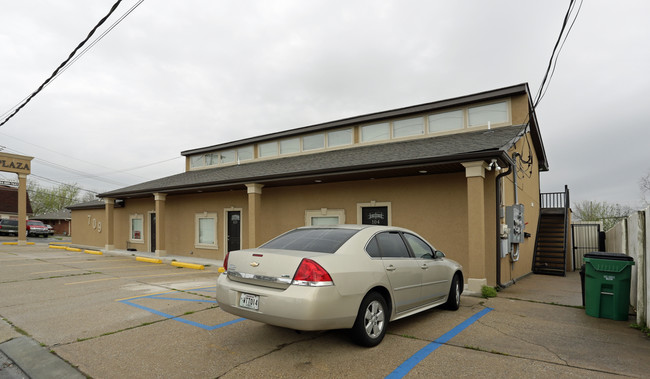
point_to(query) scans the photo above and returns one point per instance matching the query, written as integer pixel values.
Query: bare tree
(644, 184)
(608, 214)
(45, 200)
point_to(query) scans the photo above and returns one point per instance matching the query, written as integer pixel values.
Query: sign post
(21, 165)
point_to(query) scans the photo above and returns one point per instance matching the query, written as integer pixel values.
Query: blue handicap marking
(131, 302)
(416, 358)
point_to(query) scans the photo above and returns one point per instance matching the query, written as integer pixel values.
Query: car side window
(419, 248)
(373, 248)
(391, 245)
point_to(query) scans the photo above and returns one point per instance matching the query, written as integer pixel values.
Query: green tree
(45, 200)
(608, 214)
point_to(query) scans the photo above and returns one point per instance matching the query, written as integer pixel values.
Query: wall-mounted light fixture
(493, 165)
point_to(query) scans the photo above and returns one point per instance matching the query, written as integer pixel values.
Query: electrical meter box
(515, 222)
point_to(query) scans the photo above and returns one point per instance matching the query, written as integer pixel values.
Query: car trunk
(266, 267)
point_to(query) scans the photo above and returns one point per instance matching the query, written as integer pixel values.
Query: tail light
(311, 274)
(225, 263)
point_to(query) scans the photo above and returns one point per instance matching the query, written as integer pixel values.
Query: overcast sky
(179, 75)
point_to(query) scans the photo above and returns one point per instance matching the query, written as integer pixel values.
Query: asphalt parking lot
(110, 316)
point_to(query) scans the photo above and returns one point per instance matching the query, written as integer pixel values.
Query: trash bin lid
(609, 256)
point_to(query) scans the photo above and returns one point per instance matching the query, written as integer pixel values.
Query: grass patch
(487, 292)
(476, 348)
(17, 329)
(643, 328)
(546, 302)
(118, 331)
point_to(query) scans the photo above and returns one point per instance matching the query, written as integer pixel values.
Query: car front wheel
(370, 326)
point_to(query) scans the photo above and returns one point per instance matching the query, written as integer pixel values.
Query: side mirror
(439, 254)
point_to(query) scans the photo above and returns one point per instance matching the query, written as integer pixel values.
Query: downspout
(498, 222)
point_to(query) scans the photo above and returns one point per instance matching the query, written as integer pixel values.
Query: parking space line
(126, 277)
(91, 281)
(416, 358)
(49, 272)
(95, 269)
(157, 296)
(175, 299)
(199, 289)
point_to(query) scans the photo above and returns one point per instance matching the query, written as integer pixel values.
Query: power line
(78, 56)
(54, 74)
(552, 63)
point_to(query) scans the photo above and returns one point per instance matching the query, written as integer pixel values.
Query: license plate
(249, 301)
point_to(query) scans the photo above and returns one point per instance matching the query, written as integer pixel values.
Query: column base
(109, 247)
(161, 253)
(475, 285)
(22, 242)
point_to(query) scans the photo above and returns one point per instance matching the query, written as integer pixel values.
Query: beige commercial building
(462, 172)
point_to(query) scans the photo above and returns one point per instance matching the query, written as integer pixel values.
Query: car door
(435, 273)
(402, 270)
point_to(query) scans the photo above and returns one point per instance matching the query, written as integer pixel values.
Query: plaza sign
(18, 164)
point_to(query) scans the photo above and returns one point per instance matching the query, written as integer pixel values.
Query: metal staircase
(552, 231)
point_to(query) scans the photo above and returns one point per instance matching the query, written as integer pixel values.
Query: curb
(188, 265)
(148, 260)
(36, 361)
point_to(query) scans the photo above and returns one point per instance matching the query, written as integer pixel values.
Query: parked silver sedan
(356, 277)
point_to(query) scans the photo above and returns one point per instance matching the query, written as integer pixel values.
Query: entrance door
(234, 230)
(152, 233)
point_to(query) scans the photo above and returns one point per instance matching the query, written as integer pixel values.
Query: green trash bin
(607, 285)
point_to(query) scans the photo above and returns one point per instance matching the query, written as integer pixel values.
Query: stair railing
(554, 200)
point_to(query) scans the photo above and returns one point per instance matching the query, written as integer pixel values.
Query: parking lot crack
(278, 348)
(493, 327)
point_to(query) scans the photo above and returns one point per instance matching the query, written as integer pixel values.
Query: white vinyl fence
(630, 236)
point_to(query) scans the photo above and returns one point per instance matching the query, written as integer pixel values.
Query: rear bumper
(297, 307)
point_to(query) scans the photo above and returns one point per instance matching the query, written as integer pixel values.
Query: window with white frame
(496, 113)
(375, 132)
(290, 146)
(268, 149)
(324, 216)
(313, 142)
(245, 153)
(408, 127)
(136, 222)
(445, 121)
(339, 138)
(206, 230)
(374, 213)
(197, 161)
(212, 159)
(227, 156)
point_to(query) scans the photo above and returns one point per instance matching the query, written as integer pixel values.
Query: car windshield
(316, 240)
(38, 223)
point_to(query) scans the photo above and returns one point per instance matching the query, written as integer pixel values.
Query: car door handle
(424, 266)
(391, 268)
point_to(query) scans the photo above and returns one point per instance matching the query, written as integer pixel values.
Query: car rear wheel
(370, 326)
(453, 301)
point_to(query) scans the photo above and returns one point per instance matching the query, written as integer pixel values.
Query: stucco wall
(87, 227)
(527, 194)
(434, 206)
